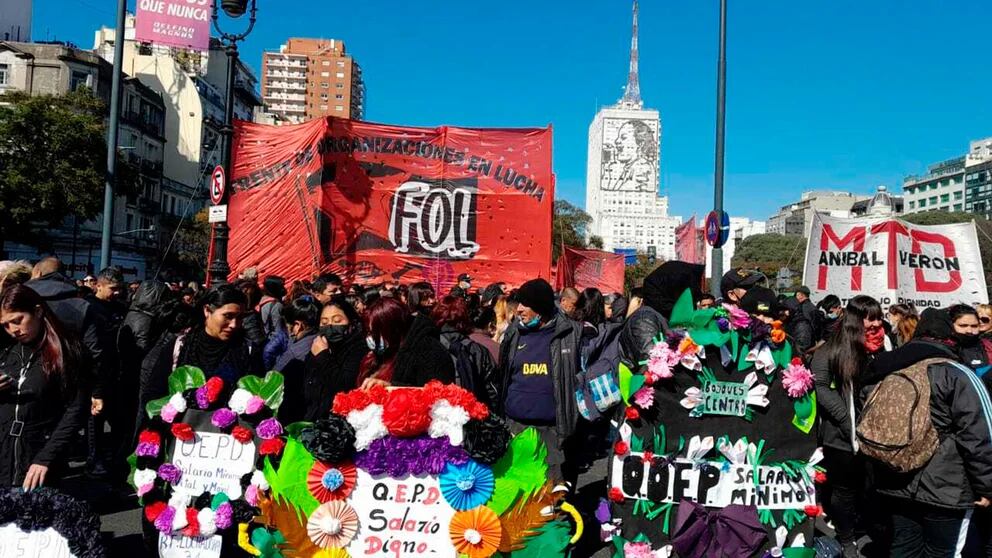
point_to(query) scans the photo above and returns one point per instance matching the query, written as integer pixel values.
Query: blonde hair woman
(14, 273)
(984, 318)
(504, 309)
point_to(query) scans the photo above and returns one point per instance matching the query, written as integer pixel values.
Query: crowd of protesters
(89, 355)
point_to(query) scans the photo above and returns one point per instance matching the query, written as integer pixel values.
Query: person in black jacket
(451, 316)
(964, 320)
(43, 403)
(798, 327)
(837, 368)
(929, 506)
(302, 317)
(539, 361)
(404, 351)
(251, 321)
(335, 358)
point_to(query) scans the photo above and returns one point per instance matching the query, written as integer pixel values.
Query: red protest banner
(687, 245)
(377, 203)
(585, 269)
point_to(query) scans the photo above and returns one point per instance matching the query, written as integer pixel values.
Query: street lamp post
(219, 268)
(716, 268)
(115, 112)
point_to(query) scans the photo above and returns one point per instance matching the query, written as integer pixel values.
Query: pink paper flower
(255, 405)
(224, 516)
(222, 418)
(739, 319)
(661, 359)
(797, 380)
(169, 413)
(251, 495)
(644, 397)
(637, 550)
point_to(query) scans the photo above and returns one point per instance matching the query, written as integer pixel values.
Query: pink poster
(178, 23)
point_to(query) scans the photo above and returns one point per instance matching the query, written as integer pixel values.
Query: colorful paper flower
(797, 380)
(406, 413)
(224, 516)
(739, 319)
(368, 425)
(616, 495)
(238, 401)
(206, 519)
(213, 387)
(149, 443)
(164, 520)
(637, 550)
(223, 418)
(170, 473)
(202, 398)
(183, 432)
(144, 481)
(258, 479)
(271, 447)
(251, 494)
(644, 397)
(820, 477)
(661, 360)
(399, 457)
(448, 420)
(255, 404)
(153, 510)
(269, 429)
(192, 528)
(332, 524)
(813, 511)
(178, 402)
(331, 482)
(778, 334)
(621, 448)
(631, 413)
(168, 413)
(242, 434)
(467, 486)
(475, 533)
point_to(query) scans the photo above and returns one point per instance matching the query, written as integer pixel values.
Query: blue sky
(841, 94)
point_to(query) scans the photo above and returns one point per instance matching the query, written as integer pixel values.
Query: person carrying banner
(837, 368)
(539, 360)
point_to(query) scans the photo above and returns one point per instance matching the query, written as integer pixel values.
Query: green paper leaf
(154, 408)
(625, 377)
(218, 499)
(683, 311)
(294, 430)
(783, 355)
(270, 388)
(735, 344)
(618, 543)
(268, 543)
(550, 541)
(132, 462)
(799, 552)
(521, 471)
(290, 481)
(184, 378)
(805, 409)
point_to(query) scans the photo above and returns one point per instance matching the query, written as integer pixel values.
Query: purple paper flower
(146, 449)
(202, 400)
(723, 324)
(170, 473)
(603, 511)
(223, 516)
(164, 520)
(222, 418)
(269, 429)
(399, 457)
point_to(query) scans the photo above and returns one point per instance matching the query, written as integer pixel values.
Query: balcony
(145, 123)
(286, 96)
(294, 86)
(288, 108)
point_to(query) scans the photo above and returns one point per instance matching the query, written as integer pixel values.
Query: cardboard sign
(35, 544)
(722, 398)
(401, 517)
(187, 547)
(712, 484)
(214, 463)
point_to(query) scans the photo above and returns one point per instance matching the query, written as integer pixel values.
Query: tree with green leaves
(568, 228)
(52, 162)
(768, 253)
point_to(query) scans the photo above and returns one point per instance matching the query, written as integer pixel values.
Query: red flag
(687, 247)
(583, 269)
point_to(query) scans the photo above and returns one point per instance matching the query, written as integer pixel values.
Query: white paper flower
(178, 402)
(692, 360)
(699, 447)
(179, 501)
(735, 453)
(757, 394)
(448, 420)
(239, 401)
(368, 425)
(144, 478)
(208, 522)
(762, 358)
(258, 479)
(693, 397)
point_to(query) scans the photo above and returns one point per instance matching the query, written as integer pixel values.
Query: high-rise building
(797, 218)
(310, 78)
(941, 188)
(740, 228)
(622, 173)
(15, 20)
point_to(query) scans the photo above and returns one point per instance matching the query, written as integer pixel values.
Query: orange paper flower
(331, 482)
(476, 533)
(333, 525)
(688, 346)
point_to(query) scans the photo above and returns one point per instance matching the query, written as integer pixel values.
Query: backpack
(895, 427)
(597, 387)
(473, 370)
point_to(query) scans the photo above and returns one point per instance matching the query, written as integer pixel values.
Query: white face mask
(378, 348)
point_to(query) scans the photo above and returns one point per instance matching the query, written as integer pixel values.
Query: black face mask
(966, 339)
(335, 334)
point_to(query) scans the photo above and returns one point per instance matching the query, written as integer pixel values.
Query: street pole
(219, 268)
(721, 109)
(115, 101)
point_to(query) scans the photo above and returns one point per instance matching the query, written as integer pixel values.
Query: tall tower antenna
(632, 93)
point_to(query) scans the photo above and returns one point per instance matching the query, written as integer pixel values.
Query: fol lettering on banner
(431, 218)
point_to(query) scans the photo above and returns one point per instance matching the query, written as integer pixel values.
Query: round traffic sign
(717, 228)
(217, 184)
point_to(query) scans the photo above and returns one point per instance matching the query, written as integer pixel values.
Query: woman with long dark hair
(335, 357)
(404, 352)
(42, 404)
(474, 363)
(837, 367)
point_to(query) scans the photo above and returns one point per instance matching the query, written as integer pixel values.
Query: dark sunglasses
(985, 319)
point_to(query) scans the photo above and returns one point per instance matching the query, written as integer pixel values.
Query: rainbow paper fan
(467, 486)
(331, 482)
(333, 525)
(476, 533)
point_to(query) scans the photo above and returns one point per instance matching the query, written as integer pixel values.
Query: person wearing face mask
(830, 312)
(42, 404)
(421, 299)
(966, 325)
(336, 354)
(837, 368)
(539, 361)
(302, 318)
(404, 351)
(735, 283)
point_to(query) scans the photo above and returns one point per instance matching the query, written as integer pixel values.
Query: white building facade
(740, 228)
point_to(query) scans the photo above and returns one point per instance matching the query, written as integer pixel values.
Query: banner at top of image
(177, 23)
(895, 262)
(376, 203)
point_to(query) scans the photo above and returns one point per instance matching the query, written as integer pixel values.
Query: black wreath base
(42, 508)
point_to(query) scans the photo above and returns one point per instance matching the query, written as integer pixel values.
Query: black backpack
(473, 369)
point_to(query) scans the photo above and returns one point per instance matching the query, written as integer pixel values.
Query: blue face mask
(532, 324)
(377, 348)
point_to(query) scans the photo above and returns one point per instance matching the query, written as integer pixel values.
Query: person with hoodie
(271, 306)
(469, 357)
(404, 351)
(930, 508)
(539, 361)
(662, 289)
(966, 324)
(302, 317)
(837, 368)
(798, 327)
(335, 358)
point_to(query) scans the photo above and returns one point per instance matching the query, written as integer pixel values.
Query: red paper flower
(796, 361)
(242, 434)
(192, 528)
(632, 413)
(616, 495)
(621, 448)
(358, 399)
(647, 457)
(813, 511)
(271, 447)
(406, 413)
(183, 431)
(153, 510)
(149, 437)
(214, 386)
(820, 477)
(649, 379)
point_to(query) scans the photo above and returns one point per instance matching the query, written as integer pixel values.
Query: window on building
(912, 205)
(339, 108)
(79, 79)
(340, 75)
(325, 74)
(339, 96)
(323, 107)
(323, 96)
(325, 63)
(4, 74)
(957, 207)
(958, 195)
(130, 222)
(324, 85)
(933, 185)
(933, 200)
(923, 203)
(340, 63)
(339, 85)
(944, 198)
